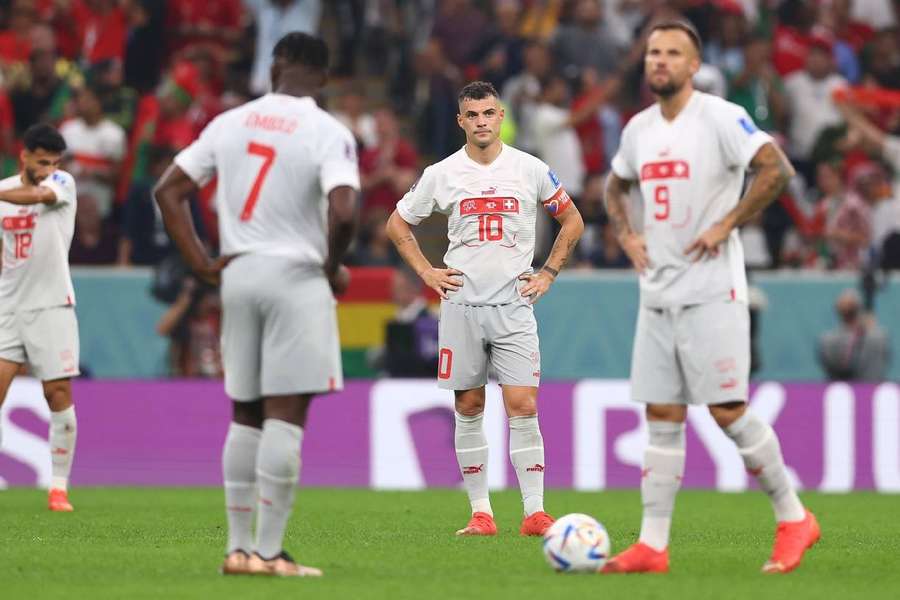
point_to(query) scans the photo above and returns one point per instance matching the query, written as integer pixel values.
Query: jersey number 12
(268, 155)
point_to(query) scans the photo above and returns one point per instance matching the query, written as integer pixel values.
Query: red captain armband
(558, 203)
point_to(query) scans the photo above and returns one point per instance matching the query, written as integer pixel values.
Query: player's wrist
(553, 273)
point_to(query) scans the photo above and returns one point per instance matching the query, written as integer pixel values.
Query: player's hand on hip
(635, 247)
(442, 280)
(339, 280)
(708, 243)
(536, 286)
(212, 272)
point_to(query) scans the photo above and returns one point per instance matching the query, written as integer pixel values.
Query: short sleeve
(198, 160)
(418, 203)
(63, 186)
(623, 162)
(339, 165)
(739, 137)
(548, 182)
(118, 145)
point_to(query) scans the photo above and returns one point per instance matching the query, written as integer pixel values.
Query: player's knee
(675, 413)
(58, 395)
(728, 413)
(470, 403)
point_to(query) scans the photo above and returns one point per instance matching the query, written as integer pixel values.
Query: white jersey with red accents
(691, 172)
(36, 240)
(276, 159)
(491, 218)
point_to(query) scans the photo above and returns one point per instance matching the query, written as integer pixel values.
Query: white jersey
(492, 210)
(36, 240)
(691, 172)
(276, 159)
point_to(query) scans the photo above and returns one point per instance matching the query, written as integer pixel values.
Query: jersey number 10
(490, 228)
(268, 155)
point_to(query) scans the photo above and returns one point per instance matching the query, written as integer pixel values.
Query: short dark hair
(302, 49)
(478, 90)
(44, 137)
(680, 25)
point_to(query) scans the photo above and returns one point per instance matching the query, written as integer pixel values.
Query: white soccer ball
(576, 543)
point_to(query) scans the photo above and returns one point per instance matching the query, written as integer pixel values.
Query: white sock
(662, 474)
(277, 473)
(759, 447)
(472, 456)
(239, 476)
(63, 431)
(526, 451)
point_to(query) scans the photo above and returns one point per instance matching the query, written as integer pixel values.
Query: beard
(667, 89)
(31, 176)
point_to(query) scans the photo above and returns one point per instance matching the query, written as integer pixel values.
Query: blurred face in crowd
(588, 13)
(481, 120)
(403, 289)
(818, 62)
(670, 62)
(88, 106)
(537, 60)
(828, 179)
(39, 165)
(757, 54)
(506, 15)
(386, 125)
(556, 91)
(43, 64)
(848, 306)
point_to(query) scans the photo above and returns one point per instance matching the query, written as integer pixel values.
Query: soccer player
(490, 192)
(37, 302)
(688, 153)
(286, 197)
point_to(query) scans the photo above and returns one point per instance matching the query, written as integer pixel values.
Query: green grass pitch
(167, 543)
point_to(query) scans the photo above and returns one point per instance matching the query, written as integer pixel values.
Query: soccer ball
(576, 543)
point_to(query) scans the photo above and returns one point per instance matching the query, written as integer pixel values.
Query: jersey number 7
(268, 155)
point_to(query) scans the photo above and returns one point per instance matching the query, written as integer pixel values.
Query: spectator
(758, 88)
(521, 94)
(373, 247)
(436, 106)
(274, 18)
(460, 27)
(145, 47)
(586, 43)
(144, 239)
(96, 147)
(15, 38)
(389, 167)
(499, 56)
(792, 36)
(214, 25)
(858, 349)
(96, 239)
(117, 101)
(351, 110)
(809, 94)
(193, 323)
(726, 48)
(850, 233)
(41, 94)
(411, 337)
(101, 28)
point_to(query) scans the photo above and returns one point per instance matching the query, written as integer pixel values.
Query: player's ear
(24, 155)
(459, 121)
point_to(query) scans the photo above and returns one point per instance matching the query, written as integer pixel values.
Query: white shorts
(47, 339)
(470, 337)
(698, 354)
(279, 329)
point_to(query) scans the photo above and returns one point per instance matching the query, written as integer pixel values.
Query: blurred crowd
(132, 82)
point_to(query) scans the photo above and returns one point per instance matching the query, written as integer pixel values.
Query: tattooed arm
(617, 208)
(440, 280)
(773, 171)
(572, 228)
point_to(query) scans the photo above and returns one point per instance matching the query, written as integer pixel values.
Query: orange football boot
(638, 558)
(280, 566)
(536, 524)
(481, 523)
(792, 539)
(236, 563)
(58, 501)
